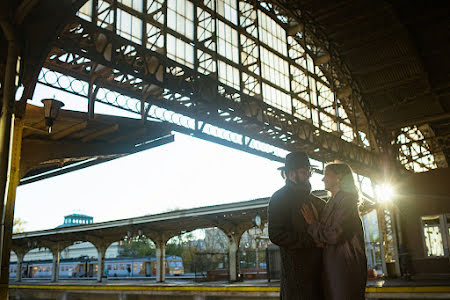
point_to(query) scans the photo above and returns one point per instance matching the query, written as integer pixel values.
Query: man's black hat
(296, 160)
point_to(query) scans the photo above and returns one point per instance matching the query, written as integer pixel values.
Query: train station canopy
(352, 80)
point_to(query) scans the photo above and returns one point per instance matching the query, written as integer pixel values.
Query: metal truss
(431, 148)
(207, 18)
(388, 233)
(106, 60)
(420, 150)
(176, 121)
(388, 236)
(330, 63)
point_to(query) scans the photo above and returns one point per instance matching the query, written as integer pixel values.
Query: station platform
(220, 290)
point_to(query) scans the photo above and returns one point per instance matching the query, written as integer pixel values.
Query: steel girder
(88, 52)
(335, 69)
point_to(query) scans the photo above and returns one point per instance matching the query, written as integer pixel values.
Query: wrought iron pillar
(20, 257)
(395, 239)
(388, 239)
(160, 260)
(9, 91)
(55, 265)
(380, 221)
(8, 213)
(233, 260)
(234, 238)
(101, 263)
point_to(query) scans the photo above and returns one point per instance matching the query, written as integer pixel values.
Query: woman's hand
(308, 214)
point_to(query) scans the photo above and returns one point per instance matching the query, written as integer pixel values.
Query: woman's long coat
(301, 260)
(345, 265)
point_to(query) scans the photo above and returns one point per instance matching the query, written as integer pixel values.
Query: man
(301, 258)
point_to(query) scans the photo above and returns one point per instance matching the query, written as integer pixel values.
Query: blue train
(88, 267)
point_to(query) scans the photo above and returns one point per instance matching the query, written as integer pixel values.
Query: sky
(184, 174)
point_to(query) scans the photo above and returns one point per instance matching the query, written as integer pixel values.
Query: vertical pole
(55, 265)
(381, 233)
(258, 61)
(160, 261)
(92, 95)
(9, 91)
(20, 257)
(395, 241)
(101, 263)
(257, 257)
(232, 258)
(8, 213)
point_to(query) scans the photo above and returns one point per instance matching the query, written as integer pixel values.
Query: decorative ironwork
(388, 240)
(388, 235)
(175, 120)
(107, 61)
(312, 36)
(419, 150)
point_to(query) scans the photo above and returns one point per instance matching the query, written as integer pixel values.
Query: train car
(13, 270)
(37, 269)
(174, 265)
(127, 267)
(68, 268)
(142, 266)
(87, 267)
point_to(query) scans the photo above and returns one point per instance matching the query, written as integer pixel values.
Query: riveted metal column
(8, 213)
(395, 241)
(381, 233)
(160, 260)
(20, 257)
(9, 91)
(55, 265)
(101, 263)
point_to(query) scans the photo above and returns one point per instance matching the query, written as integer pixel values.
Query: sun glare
(384, 192)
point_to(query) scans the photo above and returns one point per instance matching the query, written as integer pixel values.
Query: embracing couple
(321, 244)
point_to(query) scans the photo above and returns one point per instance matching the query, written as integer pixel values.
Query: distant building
(78, 249)
(76, 219)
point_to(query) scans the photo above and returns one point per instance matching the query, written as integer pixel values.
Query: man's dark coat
(301, 260)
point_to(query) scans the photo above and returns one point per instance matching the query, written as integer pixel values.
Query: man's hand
(320, 245)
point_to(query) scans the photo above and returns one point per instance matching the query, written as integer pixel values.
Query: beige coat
(344, 258)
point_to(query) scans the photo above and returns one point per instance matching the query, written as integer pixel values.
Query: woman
(339, 228)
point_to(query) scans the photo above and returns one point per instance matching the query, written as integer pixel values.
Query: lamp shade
(51, 110)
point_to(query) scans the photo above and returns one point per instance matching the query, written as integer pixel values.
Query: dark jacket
(344, 257)
(301, 260)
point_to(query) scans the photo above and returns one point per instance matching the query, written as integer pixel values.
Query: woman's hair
(347, 181)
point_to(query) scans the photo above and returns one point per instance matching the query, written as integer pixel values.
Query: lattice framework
(239, 66)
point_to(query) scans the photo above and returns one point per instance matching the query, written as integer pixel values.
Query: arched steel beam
(202, 96)
(333, 68)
